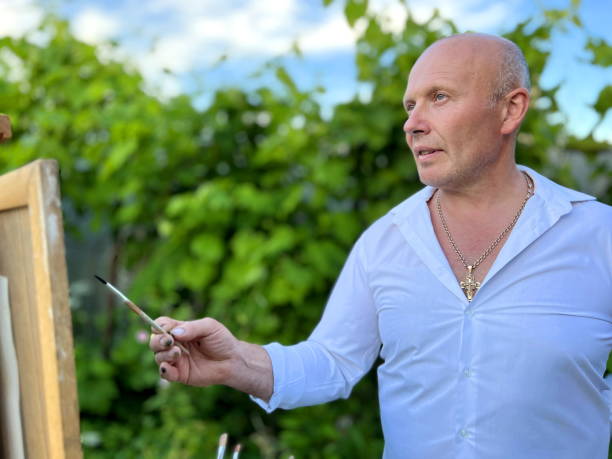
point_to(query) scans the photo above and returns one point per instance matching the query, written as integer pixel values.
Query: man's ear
(516, 104)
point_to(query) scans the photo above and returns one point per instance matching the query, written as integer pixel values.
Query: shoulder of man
(587, 208)
(383, 233)
(400, 211)
(594, 212)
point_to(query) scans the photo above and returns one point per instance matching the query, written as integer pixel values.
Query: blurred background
(220, 158)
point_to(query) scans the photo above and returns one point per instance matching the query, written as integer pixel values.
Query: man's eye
(439, 96)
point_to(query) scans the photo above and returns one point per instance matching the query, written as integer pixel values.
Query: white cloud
(94, 26)
(199, 32)
(393, 13)
(18, 17)
(331, 35)
(176, 53)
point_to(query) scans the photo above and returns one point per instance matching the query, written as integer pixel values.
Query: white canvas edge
(9, 372)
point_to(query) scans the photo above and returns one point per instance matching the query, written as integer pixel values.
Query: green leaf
(117, 158)
(208, 247)
(602, 52)
(284, 77)
(604, 101)
(355, 9)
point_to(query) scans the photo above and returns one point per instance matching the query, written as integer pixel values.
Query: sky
(196, 46)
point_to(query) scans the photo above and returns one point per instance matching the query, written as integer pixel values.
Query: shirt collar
(549, 203)
(555, 197)
(553, 194)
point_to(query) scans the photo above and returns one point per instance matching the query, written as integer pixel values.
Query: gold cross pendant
(469, 285)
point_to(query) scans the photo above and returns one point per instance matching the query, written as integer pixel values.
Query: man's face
(452, 128)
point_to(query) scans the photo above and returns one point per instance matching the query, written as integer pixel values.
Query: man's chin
(429, 177)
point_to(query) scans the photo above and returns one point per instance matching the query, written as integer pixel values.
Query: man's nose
(416, 123)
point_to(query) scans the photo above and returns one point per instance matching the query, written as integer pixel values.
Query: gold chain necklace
(469, 284)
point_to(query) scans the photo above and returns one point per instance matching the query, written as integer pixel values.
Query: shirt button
(469, 312)
(467, 372)
(464, 433)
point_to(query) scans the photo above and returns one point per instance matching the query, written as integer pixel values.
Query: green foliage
(244, 212)
(602, 52)
(355, 9)
(604, 101)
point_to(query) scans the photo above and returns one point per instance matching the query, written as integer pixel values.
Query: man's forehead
(453, 60)
(431, 79)
(439, 74)
(449, 56)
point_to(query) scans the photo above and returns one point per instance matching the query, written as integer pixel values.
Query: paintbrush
(141, 313)
(222, 445)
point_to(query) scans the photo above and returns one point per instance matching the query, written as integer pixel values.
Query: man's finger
(170, 356)
(201, 328)
(168, 372)
(159, 342)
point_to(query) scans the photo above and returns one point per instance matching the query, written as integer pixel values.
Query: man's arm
(340, 351)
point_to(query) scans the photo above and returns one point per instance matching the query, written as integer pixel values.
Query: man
(488, 294)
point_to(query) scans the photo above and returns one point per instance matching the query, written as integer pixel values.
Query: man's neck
(488, 194)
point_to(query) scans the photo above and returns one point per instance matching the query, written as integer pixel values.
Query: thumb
(194, 329)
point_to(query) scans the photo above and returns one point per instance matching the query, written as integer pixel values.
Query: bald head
(500, 56)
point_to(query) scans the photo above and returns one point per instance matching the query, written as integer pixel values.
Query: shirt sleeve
(340, 350)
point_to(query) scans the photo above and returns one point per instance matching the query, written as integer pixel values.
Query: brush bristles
(100, 279)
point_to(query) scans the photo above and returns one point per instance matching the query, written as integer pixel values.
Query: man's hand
(216, 357)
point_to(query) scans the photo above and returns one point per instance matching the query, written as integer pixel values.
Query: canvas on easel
(32, 258)
(11, 434)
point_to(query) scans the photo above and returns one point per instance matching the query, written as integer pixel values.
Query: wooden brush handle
(5, 128)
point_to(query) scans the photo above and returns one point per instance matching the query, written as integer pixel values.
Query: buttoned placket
(430, 252)
(466, 395)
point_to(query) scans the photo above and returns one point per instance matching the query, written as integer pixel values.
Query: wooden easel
(32, 258)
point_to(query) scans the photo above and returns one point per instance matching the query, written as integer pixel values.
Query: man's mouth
(421, 152)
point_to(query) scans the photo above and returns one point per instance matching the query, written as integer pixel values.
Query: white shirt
(516, 373)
